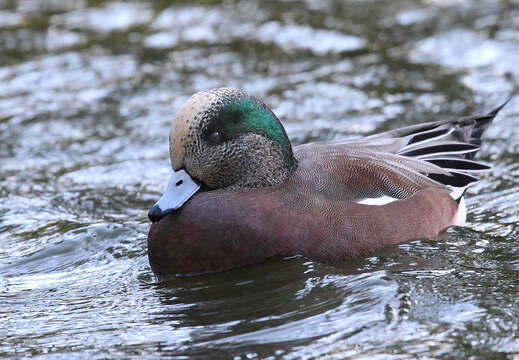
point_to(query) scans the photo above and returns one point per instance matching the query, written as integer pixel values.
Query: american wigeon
(240, 193)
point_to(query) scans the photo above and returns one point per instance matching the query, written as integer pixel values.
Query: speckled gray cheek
(251, 160)
(203, 118)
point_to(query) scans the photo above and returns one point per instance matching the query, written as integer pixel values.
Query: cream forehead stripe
(186, 118)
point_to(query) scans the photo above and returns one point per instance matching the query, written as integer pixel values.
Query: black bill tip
(156, 213)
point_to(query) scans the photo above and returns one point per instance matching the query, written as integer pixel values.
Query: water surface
(87, 93)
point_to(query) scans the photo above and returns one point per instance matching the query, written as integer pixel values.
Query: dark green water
(87, 92)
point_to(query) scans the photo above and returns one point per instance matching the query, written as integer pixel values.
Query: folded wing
(399, 162)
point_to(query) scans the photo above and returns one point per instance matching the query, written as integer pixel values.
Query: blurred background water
(87, 93)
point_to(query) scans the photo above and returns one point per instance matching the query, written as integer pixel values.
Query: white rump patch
(460, 218)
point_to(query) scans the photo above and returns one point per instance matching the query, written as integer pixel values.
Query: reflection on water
(87, 92)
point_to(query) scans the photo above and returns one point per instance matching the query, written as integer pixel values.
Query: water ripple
(88, 92)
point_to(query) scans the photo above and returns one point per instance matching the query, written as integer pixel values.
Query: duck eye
(215, 138)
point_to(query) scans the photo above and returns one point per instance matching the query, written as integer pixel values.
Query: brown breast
(219, 230)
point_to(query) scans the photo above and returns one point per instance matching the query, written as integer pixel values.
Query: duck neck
(267, 163)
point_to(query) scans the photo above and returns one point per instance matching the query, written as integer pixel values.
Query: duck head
(224, 139)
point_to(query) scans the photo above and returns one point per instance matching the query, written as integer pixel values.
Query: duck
(240, 193)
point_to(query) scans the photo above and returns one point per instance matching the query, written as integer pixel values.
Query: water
(87, 92)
